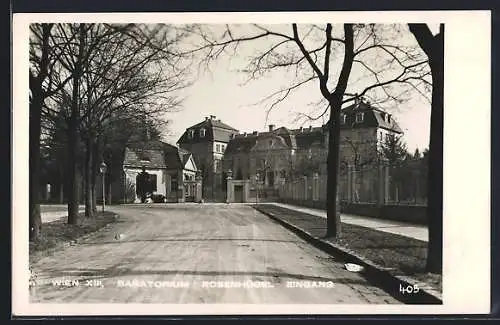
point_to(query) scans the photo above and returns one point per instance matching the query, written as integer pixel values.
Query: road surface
(189, 253)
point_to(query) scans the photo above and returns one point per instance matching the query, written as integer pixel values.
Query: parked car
(158, 198)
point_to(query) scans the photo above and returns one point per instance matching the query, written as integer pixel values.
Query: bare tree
(130, 74)
(433, 46)
(44, 53)
(326, 55)
(130, 70)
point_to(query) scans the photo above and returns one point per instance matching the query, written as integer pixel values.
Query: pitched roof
(241, 143)
(209, 123)
(373, 117)
(307, 137)
(184, 156)
(287, 135)
(150, 158)
(215, 130)
(155, 154)
(302, 138)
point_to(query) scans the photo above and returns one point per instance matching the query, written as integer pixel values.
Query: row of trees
(90, 86)
(332, 56)
(92, 72)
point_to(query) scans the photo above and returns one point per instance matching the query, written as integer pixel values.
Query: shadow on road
(114, 271)
(160, 239)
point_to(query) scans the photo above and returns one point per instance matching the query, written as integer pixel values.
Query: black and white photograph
(254, 164)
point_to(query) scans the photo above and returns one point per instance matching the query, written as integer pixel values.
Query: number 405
(408, 289)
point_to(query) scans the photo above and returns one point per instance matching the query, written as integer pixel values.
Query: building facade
(278, 155)
(208, 141)
(172, 171)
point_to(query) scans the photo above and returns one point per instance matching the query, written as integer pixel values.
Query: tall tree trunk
(433, 46)
(109, 192)
(333, 159)
(36, 106)
(95, 170)
(72, 173)
(88, 177)
(35, 219)
(332, 164)
(73, 133)
(61, 185)
(435, 191)
(61, 193)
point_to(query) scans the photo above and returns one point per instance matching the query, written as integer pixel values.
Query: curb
(376, 274)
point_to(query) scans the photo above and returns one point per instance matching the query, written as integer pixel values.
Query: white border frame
(466, 263)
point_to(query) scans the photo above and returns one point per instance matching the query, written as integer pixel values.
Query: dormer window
(191, 134)
(202, 133)
(343, 119)
(360, 117)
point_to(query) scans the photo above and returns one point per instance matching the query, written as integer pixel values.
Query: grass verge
(405, 256)
(58, 233)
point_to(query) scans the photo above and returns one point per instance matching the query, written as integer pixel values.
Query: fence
(405, 184)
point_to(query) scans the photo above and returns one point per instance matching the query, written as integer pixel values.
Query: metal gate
(189, 191)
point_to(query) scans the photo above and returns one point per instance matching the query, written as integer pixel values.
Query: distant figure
(143, 185)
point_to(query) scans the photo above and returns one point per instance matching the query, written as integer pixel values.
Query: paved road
(181, 253)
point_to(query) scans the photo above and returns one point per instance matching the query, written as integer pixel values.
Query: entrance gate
(192, 191)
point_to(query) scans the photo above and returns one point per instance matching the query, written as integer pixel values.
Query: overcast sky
(222, 93)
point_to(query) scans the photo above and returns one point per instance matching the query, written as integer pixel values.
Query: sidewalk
(55, 212)
(394, 227)
(389, 260)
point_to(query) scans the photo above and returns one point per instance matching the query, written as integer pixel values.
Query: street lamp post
(229, 187)
(257, 178)
(103, 172)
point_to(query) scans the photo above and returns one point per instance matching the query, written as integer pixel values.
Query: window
(359, 117)
(190, 134)
(271, 142)
(217, 148)
(217, 165)
(202, 133)
(343, 118)
(223, 147)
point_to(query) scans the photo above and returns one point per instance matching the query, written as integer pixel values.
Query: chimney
(244, 134)
(212, 117)
(206, 118)
(310, 128)
(255, 133)
(301, 129)
(271, 127)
